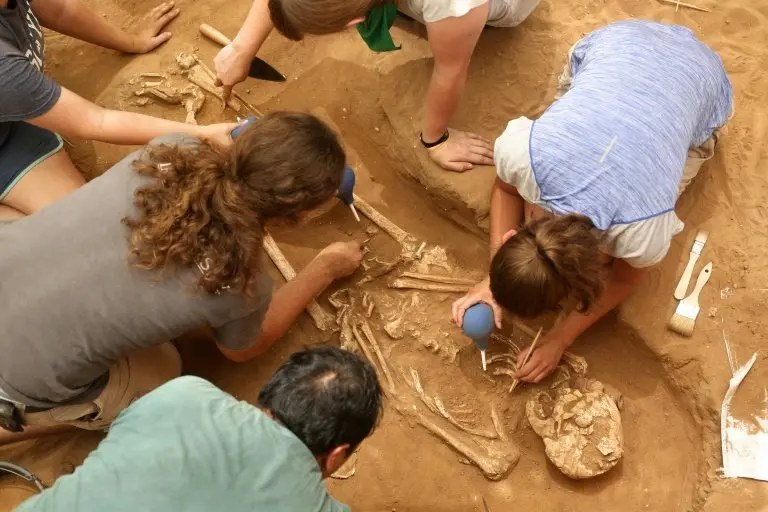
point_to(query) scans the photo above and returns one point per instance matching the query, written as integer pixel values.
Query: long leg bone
(415, 284)
(400, 235)
(322, 319)
(368, 352)
(494, 464)
(436, 405)
(377, 349)
(439, 279)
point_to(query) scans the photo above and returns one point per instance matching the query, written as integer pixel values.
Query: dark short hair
(326, 396)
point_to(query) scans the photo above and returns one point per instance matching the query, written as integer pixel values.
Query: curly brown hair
(207, 206)
(547, 261)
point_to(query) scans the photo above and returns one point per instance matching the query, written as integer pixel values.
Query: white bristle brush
(698, 246)
(684, 319)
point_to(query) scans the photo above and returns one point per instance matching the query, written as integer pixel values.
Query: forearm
(255, 29)
(617, 288)
(128, 128)
(287, 304)
(443, 95)
(75, 19)
(507, 212)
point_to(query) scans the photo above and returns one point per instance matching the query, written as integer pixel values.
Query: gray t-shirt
(25, 92)
(72, 304)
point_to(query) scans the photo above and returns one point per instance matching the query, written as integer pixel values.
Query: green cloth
(190, 447)
(375, 29)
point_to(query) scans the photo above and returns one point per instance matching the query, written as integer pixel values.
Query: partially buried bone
(193, 103)
(377, 350)
(581, 428)
(405, 239)
(415, 284)
(495, 464)
(348, 469)
(322, 319)
(435, 404)
(438, 279)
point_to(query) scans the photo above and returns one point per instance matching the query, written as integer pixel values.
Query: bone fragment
(193, 103)
(420, 250)
(439, 279)
(502, 358)
(160, 76)
(384, 269)
(147, 85)
(377, 349)
(415, 284)
(506, 341)
(322, 319)
(347, 470)
(170, 96)
(185, 60)
(453, 421)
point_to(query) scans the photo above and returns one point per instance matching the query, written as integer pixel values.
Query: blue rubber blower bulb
(479, 323)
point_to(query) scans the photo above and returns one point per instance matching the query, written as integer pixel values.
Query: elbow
(256, 349)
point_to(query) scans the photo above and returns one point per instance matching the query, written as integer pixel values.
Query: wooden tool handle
(214, 35)
(704, 276)
(685, 280)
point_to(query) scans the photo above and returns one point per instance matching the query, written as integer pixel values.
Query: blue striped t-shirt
(614, 146)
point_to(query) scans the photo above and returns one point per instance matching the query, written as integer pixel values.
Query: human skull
(580, 426)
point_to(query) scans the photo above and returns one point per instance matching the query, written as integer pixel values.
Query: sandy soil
(672, 386)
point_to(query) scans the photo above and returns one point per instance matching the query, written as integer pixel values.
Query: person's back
(189, 446)
(75, 304)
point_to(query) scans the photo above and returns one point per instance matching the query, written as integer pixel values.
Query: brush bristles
(682, 324)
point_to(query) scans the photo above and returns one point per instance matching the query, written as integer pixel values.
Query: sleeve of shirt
(26, 92)
(645, 243)
(512, 156)
(241, 333)
(437, 10)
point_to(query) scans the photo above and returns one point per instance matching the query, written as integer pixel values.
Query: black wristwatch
(443, 138)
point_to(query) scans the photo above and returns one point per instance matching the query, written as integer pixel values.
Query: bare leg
(50, 180)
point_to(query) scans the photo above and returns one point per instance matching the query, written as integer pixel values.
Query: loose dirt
(672, 386)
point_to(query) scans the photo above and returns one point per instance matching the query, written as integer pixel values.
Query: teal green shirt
(189, 446)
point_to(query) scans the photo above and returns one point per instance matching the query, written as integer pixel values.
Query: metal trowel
(259, 69)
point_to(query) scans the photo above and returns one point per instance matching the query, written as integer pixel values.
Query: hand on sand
(543, 361)
(462, 151)
(146, 34)
(341, 259)
(220, 134)
(481, 292)
(231, 65)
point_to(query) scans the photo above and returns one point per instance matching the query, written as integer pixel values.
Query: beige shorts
(696, 156)
(129, 379)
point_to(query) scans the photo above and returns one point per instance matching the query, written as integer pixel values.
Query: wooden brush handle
(704, 276)
(685, 280)
(214, 35)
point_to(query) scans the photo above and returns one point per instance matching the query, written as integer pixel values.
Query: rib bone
(322, 319)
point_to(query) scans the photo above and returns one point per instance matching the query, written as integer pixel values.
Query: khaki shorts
(129, 379)
(696, 156)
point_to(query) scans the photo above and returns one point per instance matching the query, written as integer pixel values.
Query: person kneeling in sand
(190, 446)
(453, 29)
(166, 242)
(35, 171)
(584, 200)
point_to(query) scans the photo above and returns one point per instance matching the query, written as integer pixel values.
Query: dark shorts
(24, 148)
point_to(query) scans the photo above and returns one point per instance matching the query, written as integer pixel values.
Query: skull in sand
(580, 426)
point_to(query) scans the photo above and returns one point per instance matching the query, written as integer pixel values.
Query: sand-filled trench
(672, 386)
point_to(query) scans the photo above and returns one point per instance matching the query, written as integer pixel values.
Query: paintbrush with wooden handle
(698, 247)
(684, 319)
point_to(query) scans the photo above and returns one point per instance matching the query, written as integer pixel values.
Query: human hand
(341, 259)
(543, 361)
(146, 34)
(219, 134)
(481, 292)
(462, 151)
(231, 65)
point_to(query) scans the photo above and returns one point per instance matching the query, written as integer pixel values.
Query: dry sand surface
(672, 386)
